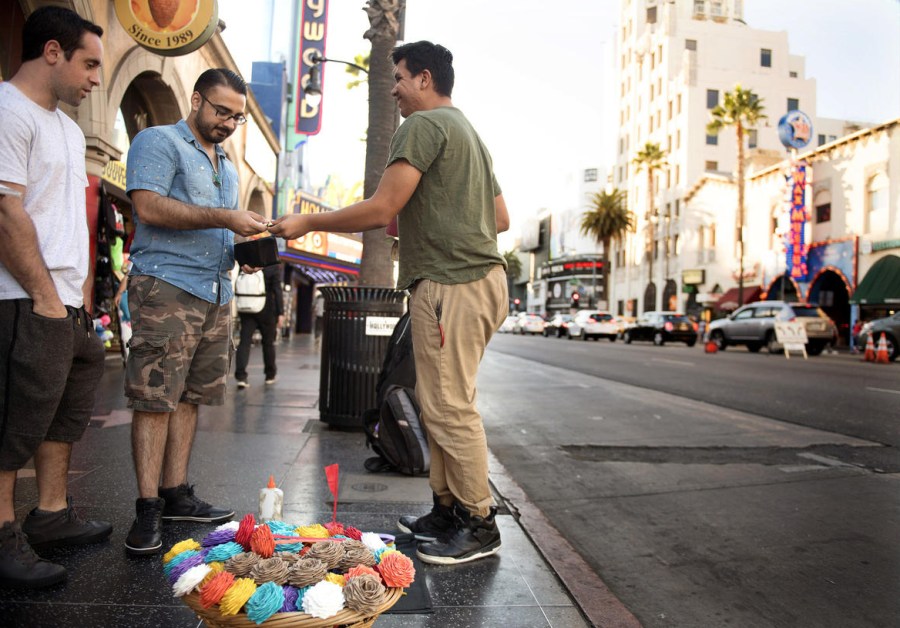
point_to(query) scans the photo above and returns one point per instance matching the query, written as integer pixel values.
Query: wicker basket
(346, 618)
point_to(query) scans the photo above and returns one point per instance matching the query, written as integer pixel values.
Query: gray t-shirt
(44, 151)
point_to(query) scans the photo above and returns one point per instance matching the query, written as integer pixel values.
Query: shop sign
(797, 248)
(114, 172)
(313, 20)
(693, 276)
(795, 129)
(564, 269)
(169, 27)
(345, 248)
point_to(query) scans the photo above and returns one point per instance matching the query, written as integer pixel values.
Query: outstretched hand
(290, 227)
(246, 223)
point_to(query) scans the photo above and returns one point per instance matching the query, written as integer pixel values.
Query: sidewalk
(275, 430)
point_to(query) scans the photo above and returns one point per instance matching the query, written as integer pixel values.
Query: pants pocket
(147, 376)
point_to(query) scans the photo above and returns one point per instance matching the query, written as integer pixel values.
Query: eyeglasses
(223, 114)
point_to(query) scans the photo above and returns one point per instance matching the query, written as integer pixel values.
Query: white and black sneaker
(474, 537)
(439, 522)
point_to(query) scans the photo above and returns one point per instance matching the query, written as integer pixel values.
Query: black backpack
(394, 430)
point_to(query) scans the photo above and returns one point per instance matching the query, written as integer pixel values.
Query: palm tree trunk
(376, 268)
(651, 233)
(740, 227)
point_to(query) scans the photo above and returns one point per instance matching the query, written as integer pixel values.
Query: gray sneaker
(475, 537)
(47, 530)
(20, 566)
(430, 526)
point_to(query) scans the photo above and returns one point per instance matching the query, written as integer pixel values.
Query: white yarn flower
(373, 541)
(325, 599)
(231, 525)
(189, 580)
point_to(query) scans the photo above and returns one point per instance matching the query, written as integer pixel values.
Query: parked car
(508, 325)
(558, 326)
(662, 327)
(529, 324)
(753, 325)
(593, 324)
(889, 326)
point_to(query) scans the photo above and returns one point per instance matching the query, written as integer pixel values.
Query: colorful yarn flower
(315, 531)
(236, 596)
(306, 572)
(221, 553)
(362, 570)
(217, 537)
(373, 541)
(352, 533)
(325, 599)
(241, 564)
(183, 566)
(190, 580)
(270, 570)
(290, 599)
(396, 569)
(213, 590)
(214, 569)
(229, 525)
(245, 530)
(336, 578)
(335, 528)
(262, 542)
(356, 553)
(280, 527)
(265, 602)
(177, 560)
(364, 594)
(329, 552)
(181, 546)
(381, 552)
(301, 593)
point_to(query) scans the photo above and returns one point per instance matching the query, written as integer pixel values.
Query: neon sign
(796, 245)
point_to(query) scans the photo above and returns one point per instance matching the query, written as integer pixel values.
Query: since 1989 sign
(169, 27)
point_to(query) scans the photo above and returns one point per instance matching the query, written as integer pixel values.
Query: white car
(508, 325)
(529, 324)
(594, 324)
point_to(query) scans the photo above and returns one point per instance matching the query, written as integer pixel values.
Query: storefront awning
(729, 300)
(881, 284)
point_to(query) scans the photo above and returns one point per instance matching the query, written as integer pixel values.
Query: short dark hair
(424, 55)
(220, 77)
(52, 23)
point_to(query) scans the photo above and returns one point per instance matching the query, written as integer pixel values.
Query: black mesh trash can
(357, 326)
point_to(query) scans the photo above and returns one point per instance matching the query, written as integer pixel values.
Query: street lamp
(313, 89)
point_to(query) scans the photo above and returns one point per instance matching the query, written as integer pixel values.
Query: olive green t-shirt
(448, 229)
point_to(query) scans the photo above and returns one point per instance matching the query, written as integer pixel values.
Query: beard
(214, 132)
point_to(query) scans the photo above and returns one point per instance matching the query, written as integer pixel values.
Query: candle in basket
(271, 499)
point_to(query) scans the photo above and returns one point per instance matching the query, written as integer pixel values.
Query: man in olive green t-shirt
(439, 182)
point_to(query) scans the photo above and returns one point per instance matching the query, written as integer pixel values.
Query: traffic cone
(869, 355)
(711, 347)
(881, 355)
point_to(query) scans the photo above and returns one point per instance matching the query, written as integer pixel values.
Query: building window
(677, 174)
(877, 204)
(712, 140)
(676, 245)
(652, 91)
(651, 15)
(670, 110)
(712, 98)
(699, 8)
(752, 138)
(678, 139)
(792, 74)
(590, 174)
(690, 44)
(765, 58)
(679, 103)
(793, 104)
(821, 139)
(669, 143)
(823, 213)
(677, 206)
(711, 166)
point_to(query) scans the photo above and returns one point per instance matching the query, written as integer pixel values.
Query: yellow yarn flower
(236, 596)
(181, 546)
(315, 531)
(214, 568)
(336, 578)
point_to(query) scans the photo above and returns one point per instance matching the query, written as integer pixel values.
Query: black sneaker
(475, 537)
(183, 505)
(20, 566)
(430, 526)
(47, 530)
(145, 536)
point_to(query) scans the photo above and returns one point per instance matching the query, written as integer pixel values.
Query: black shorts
(49, 371)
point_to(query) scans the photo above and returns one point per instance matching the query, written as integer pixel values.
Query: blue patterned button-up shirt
(170, 161)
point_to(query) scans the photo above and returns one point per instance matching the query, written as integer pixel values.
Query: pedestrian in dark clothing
(268, 321)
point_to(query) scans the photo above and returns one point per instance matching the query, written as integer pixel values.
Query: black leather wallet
(257, 253)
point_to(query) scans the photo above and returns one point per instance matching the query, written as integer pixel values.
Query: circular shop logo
(169, 27)
(795, 129)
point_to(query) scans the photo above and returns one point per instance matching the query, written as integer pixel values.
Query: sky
(536, 78)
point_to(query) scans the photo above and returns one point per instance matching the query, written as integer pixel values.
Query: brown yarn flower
(306, 572)
(364, 594)
(270, 570)
(356, 553)
(329, 552)
(241, 564)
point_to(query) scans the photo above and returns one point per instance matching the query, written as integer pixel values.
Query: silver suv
(753, 325)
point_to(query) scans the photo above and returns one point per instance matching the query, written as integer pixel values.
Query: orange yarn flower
(213, 590)
(362, 570)
(262, 542)
(396, 569)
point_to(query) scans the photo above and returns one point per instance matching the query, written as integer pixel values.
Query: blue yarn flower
(298, 605)
(280, 527)
(180, 558)
(221, 553)
(294, 548)
(265, 602)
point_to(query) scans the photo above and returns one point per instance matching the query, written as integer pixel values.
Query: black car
(662, 327)
(557, 326)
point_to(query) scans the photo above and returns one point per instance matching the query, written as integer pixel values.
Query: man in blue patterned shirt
(185, 196)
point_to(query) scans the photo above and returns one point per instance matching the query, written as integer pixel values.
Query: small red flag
(331, 474)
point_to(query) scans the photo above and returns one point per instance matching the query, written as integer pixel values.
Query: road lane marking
(887, 390)
(673, 362)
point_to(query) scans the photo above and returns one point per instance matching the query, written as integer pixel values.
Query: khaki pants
(469, 314)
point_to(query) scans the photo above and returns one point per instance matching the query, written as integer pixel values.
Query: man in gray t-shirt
(45, 402)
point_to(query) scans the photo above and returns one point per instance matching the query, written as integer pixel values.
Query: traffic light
(575, 299)
(516, 303)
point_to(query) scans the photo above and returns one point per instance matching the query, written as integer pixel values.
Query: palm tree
(607, 220)
(741, 109)
(376, 268)
(650, 158)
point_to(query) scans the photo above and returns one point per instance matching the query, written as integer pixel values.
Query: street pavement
(276, 430)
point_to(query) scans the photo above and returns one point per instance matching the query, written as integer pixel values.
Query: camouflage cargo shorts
(181, 348)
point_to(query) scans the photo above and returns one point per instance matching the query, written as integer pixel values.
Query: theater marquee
(169, 27)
